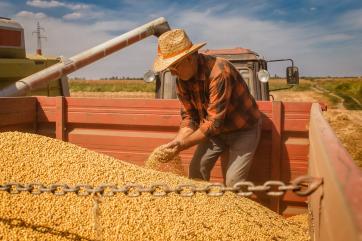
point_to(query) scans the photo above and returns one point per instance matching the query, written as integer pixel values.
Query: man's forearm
(185, 139)
(195, 138)
(184, 132)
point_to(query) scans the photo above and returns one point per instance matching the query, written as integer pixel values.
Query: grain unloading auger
(67, 66)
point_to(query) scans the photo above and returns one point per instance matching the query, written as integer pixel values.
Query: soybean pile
(29, 158)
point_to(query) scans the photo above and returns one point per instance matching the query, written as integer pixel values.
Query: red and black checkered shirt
(217, 100)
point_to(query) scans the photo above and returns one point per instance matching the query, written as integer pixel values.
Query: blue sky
(323, 37)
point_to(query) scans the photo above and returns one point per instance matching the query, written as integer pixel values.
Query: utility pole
(39, 36)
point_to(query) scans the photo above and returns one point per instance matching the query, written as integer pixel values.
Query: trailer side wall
(129, 129)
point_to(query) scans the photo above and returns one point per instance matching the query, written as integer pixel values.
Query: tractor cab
(252, 67)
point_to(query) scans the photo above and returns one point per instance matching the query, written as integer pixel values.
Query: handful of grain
(29, 158)
(163, 159)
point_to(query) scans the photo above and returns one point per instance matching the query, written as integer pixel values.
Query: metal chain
(301, 186)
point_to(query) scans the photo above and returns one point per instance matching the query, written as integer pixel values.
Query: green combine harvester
(22, 74)
(16, 64)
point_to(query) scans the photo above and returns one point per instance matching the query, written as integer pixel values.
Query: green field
(110, 86)
(347, 91)
(350, 90)
(281, 84)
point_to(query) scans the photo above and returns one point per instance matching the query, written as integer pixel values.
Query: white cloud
(73, 16)
(27, 14)
(70, 38)
(55, 4)
(335, 37)
(44, 4)
(352, 20)
(114, 25)
(79, 11)
(84, 15)
(231, 31)
(78, 6)
(279, 12)
(306, 44)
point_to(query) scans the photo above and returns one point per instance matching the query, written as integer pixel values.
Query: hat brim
(161, 64)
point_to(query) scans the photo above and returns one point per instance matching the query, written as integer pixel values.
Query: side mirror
(149, 76)
(292, 76)
(263, 75)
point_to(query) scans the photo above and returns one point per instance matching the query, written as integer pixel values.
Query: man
(218, 112)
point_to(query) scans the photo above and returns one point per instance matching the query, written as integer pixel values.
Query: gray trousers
(241, 146)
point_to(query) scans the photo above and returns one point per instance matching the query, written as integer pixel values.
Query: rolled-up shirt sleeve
(189, 114)
(219, 99)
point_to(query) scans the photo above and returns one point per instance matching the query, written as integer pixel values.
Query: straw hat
(173, 46)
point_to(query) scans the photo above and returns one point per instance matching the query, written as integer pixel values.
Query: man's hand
(175, 145)
(179, 144)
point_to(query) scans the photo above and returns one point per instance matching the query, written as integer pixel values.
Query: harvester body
(16, 64)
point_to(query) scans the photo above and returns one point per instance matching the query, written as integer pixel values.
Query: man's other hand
(175, 145)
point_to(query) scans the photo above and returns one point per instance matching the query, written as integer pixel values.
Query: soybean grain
(29, 158)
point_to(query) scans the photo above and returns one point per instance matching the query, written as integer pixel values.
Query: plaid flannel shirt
(217, 100)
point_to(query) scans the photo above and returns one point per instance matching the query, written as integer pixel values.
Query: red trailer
(296, 140)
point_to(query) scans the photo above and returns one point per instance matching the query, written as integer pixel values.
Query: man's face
(185, 69)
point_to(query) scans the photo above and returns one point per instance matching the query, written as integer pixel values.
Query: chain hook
(312, 185)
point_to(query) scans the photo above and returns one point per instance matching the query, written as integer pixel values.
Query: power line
(39, 36)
